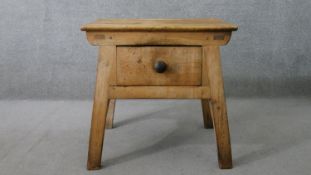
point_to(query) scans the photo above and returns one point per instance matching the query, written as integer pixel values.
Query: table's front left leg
(205, 103)
(106, 58)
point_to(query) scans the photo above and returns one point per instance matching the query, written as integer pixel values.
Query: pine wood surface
(210, 24)
(128, 51)
(135, 65)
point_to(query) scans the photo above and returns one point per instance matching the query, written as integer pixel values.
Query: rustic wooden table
(159, 59)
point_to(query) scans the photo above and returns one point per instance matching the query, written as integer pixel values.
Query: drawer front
(141, 65)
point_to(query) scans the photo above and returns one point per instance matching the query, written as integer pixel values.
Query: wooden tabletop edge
(154, 29)
(195, 25)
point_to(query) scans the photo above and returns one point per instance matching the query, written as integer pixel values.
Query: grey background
(44, 55)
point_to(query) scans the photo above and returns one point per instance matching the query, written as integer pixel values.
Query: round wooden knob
(160, 66)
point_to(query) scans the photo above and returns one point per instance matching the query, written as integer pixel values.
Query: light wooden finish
(158, 38)
(110, 114)
(107, 55)
(159, 92)
(135, 65)
(113, 76)
(159, 32)
(219, 109)
(173, 25)
(207, 113)
(128, 50)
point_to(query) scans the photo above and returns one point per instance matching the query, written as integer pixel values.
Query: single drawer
(159, 65)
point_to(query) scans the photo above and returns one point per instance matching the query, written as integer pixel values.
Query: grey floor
(269, 136)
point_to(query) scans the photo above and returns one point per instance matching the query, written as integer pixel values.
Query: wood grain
(159, 92)
(135, 65)
(209, 24)
(129, 49)
(158, 38)
(207, 113)
(110, 114)
(219, 108)
(106, 56)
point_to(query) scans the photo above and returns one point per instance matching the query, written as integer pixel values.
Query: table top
(191, 25)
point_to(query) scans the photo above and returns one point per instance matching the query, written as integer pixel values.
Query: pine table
(159, 59)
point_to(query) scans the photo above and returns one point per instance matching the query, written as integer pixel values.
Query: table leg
(218, 104)
(100, 106)
(110, 114)
(207, 115)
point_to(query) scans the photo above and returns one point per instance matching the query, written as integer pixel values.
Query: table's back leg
(100, 106)
(218, 106)
(207, 114)
(110, 114)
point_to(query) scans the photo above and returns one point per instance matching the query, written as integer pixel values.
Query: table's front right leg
(106, 58)
(218, 106)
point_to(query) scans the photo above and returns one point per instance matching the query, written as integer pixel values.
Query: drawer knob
(160, 66)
